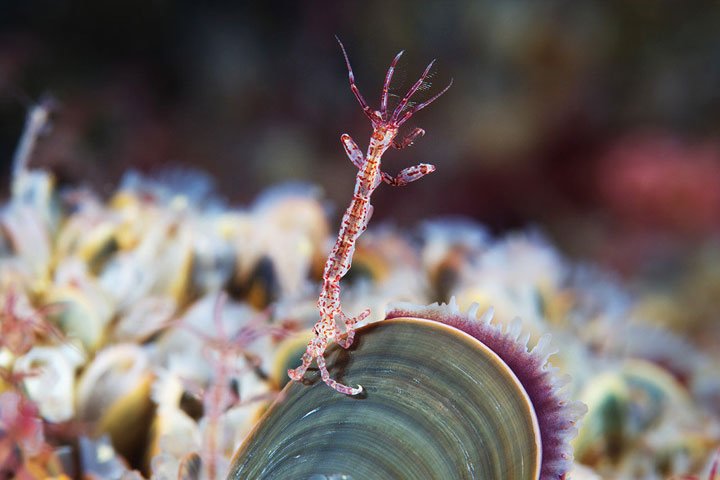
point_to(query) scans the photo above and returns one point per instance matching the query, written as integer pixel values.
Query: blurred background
(597, 122)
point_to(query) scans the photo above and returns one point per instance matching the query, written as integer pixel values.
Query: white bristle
(544, 349)
(453, 305)
(552, 369)
(524, 339)
(488, 315)
(473, 310)
(576, 410)
(514, 328)
(560, 381)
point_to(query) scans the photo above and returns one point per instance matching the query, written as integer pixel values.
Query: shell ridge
(558, 415)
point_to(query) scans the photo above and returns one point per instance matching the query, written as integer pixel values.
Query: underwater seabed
(148, 335)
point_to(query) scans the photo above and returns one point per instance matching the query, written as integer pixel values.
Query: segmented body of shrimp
(385, 129)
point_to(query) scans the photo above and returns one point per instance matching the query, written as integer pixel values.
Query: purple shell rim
(556, 413)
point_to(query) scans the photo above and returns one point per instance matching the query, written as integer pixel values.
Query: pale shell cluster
(115, 343)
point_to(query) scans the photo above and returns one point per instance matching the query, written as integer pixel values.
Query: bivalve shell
(438, 404)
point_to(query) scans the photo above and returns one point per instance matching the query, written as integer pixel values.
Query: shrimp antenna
(368, 111)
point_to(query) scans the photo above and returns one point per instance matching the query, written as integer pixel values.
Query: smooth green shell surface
(437, 404)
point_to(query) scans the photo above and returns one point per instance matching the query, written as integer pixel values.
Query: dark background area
(596, 121)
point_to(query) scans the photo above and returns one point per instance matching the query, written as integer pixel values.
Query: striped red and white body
(357, 216)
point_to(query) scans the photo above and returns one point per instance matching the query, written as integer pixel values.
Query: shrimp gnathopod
(385, 130)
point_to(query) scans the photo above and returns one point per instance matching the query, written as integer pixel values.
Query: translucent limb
(368, 111)
(386, 86)
(352, 150)
(335, 385)
(315, 349)
(345, 340)
(408, 175)
(409, 139)
(297, 373)
(403, 103)
(420, 106)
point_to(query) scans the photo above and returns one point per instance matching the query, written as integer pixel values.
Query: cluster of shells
(148, 334)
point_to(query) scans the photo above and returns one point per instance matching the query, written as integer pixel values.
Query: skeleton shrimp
(354, 222)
